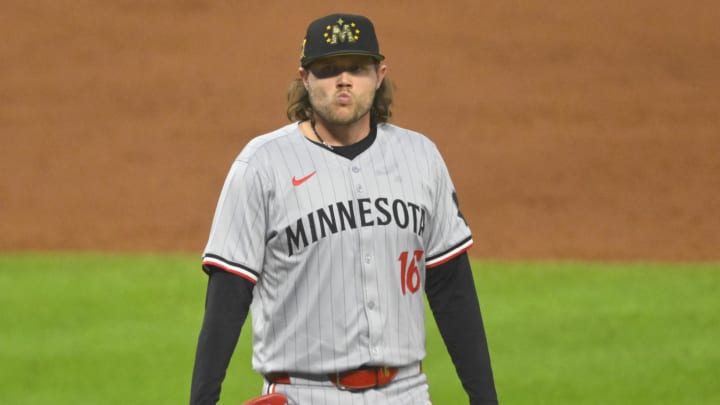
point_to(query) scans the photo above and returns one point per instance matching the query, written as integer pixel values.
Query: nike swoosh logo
(297, 182)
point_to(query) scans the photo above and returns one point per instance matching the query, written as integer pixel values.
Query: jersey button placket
(369, 271)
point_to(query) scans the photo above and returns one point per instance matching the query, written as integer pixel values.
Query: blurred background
(575, 130)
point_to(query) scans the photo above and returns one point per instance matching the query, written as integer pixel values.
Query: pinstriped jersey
(337, 248)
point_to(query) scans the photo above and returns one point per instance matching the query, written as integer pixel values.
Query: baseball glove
(269, 399)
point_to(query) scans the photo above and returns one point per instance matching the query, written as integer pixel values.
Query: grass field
(114, 329)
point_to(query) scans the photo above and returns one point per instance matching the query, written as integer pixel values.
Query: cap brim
(308, 61)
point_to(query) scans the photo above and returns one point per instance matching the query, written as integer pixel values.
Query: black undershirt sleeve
(453, 300)
(226, 307)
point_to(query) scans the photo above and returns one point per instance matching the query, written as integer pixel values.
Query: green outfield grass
(114, 329)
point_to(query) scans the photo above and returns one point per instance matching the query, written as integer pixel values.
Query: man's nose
(344, 79)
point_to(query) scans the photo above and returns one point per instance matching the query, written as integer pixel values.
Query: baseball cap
(339, 34)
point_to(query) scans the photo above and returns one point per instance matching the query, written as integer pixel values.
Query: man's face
(342, 88)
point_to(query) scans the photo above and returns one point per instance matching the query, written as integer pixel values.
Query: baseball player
(329, 230)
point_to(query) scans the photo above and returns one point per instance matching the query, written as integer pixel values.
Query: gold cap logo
(302, 48)
(341, 32)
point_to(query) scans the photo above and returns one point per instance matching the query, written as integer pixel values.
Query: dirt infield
(584, 130)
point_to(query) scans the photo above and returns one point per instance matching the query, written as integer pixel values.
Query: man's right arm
(226, 307)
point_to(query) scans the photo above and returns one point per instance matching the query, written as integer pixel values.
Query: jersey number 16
(409, 272)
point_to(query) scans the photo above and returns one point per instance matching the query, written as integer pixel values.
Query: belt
(351, 380)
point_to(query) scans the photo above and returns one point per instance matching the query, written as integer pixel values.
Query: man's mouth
(343, 98)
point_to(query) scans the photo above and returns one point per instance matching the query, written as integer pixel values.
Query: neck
(342, 134)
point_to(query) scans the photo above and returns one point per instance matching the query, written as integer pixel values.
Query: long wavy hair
(300, 109)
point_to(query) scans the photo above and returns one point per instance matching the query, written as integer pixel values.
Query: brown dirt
(579, 130)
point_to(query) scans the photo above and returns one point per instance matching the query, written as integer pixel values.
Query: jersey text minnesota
(363, 212)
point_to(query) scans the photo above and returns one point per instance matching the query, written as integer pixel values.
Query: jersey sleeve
(450, 234)
(236, 241)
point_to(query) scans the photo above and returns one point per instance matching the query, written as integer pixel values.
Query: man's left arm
(453, 300)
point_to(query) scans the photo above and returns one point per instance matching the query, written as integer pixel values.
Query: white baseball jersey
(337, 248)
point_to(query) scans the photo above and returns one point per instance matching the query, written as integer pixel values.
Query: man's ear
(381, 71)
(303, 76)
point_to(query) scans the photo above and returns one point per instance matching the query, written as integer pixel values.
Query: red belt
(359, 379)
